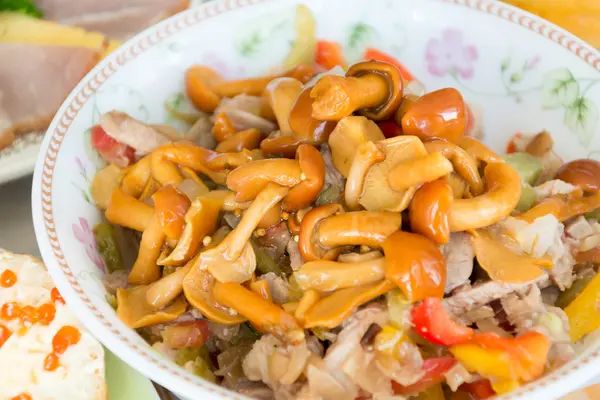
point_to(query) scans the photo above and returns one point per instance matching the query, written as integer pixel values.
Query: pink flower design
(450, 55)
(214, 61)
(84, 234)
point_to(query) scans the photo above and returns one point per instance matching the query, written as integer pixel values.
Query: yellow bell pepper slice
(583, 312)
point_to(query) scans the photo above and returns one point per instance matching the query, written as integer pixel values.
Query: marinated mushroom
(330, 311)
(135, 312)
(503, 265)
(105, 182)
(170, 206)
(349, 133)
(465, 165)
(439, 114)
(479, 151)
(198, 84)
(268, 316)
(248, 139)
(503, 191)
(418, 171)
(200, 222)
(162, 292)
(127, 211)
(326, 276)
(136, 177)
(415, 265)
(222, 128)
(305, 178)
(256, 86)
(368, 183)
(146, 270)
(166, 158)
(371, 88)
(233, 260)
(304, 125)
(429, 211)
(281, 94)
(583, 173)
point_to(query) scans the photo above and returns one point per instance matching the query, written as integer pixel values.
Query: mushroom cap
(584, 173)
(224, 269)
(395, 87)
(376, 193)
(348, 134)
(302, 123)
(282, 94)
(438, 114)
(135, 312)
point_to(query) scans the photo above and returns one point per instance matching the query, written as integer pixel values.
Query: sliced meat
(275, 241)
(333, 177)
(243, 112)
(201, 133)
(34, 81)
(116, 280)
(546, 236)
(293, 251)
(278, 287)
(459, 255)
(114, 18)
(128, 130)
(551, 188)
(469, 297)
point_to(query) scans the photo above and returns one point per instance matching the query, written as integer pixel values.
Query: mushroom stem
(479, 151)
(429, 209)
(250, 179)
(262, 313)
(281, 145)
(463, 163)
(502, 196)
(222, 129)
(137, 176)
(306, 192)
(166, 289)
(234, 243)
(367, 154)
(307, 244)
(227, 200)
(326, 276)
(369, 228)
(338, 97)
(146, 270)
(248, 139)
(418, 171)
(128, 211)
(195, 157)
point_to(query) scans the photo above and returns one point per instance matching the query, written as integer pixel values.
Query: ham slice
(34, 80)
(113, 18)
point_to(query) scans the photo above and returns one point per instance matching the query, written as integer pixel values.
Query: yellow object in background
(580, 17)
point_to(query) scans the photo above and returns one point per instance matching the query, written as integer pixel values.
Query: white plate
(18, 159)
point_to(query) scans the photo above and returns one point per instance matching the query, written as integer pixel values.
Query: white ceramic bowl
(524, 73)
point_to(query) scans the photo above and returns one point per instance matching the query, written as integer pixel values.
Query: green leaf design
(582, 119)
(250, 46)
(559, 88)
(359, 35)
(505, 64)
(517, 77)
(92, 154)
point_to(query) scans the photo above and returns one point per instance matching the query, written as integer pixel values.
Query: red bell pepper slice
(435, 370)
(530, 351)
(481, 389)
(390, 128)
(432, 322)
(110, 149)
(329, 54)
(377, 55)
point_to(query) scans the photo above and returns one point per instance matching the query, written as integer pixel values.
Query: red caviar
(22, 396)
(5, 333)
(28, 315)
(8, 278)
(10, 311)
(56, 296)
(65, 337)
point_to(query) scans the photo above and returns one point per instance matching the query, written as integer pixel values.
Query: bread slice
(80, 374)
